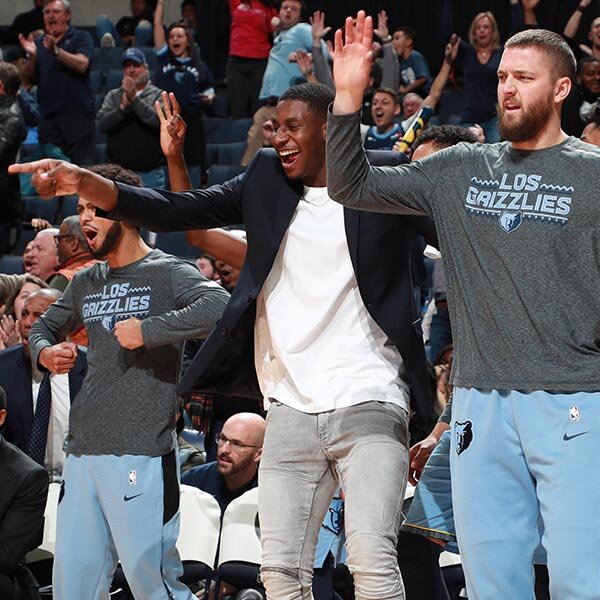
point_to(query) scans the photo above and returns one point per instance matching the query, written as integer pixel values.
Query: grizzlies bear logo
(509, 221)
(108, 322)
(463, 435)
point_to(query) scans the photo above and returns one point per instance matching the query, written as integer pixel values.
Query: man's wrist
(55, 49)
(345, 103)
(386, 39)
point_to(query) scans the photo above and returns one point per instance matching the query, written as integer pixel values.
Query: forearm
(573, 23)
(76, 62)
(415, 85)
(438, 85)
(322, 68)
(351, 181)
(179, 178)
(391, 68)
(221, 244)
(101, 192)
(158, 30)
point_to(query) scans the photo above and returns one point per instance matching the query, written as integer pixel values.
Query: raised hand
(172, 126)
(51, 177)
(382, 30)
(304, 62)
(317, 24)
(28, 44)
(352, 60)
(49, 42)
(9, 332)
(451, 50)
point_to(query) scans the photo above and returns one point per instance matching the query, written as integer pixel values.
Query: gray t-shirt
(520, 240)
(127, 403)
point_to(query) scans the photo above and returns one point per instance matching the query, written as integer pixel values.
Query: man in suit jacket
(321, 324)
(18, 378)
(23, 492)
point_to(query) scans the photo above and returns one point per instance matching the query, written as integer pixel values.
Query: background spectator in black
(479, 59)
(22, 504)
(12, 133)
(584, 93)
(591, 133)
(183, 73)
(128, 119)
(61, 61)
(250, 41)
(27, 22)
(572, 26)
(134, 29)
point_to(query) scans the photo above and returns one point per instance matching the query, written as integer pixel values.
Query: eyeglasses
(57, 238)
(236, 445)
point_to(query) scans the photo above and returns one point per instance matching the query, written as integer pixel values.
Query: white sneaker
(107, 41)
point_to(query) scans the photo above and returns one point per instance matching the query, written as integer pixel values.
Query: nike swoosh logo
(127, 498)
(570, 437)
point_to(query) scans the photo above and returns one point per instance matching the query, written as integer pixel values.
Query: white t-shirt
(316, 346)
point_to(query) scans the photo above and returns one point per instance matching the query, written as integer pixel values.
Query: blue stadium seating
(226, 131)
(221, 173)
(175, 243)
(225, 154)
(11, 264)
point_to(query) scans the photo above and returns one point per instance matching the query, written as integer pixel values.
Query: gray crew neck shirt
(127, 403)
(520, 240)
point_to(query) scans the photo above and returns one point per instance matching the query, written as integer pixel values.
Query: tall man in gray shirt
(120, 497)
(518, 225)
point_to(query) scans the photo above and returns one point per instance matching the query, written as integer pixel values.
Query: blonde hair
(485, 15)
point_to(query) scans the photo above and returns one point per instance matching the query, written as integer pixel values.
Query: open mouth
(288, 156)
(90, 235)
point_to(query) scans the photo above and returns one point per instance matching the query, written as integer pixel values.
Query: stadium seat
(69, 205)
(114, 77)
(240, 549)
(225, 154)
(34, 207)
(11, 264)
(150, 57)
(26, 236)
(96, 81)
(109, 58)
(226, 131)
(100, 156)
(195, 173)
(221, 173)
(175, 243)
(220, 104)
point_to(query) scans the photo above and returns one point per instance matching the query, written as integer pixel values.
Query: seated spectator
(414, 70)
(44, 260)
(131, 30)
(60, 62)
(591, 133)
(38, 403)
(12, 133)
(128, 119)
(593, 35)
(22, 504)
(183, 73)
(25, 286)
(31, 21)
(584, 93)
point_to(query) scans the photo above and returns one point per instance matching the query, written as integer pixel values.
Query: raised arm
(322, 69)
(574, 21)
(439, 83)
(221, 244)
(158, 29)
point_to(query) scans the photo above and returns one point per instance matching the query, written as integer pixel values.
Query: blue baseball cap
(135, 55)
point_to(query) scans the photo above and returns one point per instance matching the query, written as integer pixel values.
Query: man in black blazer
(23, 492)
(16, 375)
(338, 384)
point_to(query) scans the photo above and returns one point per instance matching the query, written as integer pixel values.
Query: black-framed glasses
(236, 445)
(59, 237)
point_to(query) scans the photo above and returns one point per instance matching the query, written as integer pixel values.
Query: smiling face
(383, 110)
(589, 77)
(299, 139)
(102, 235)
(56, 18)
(591, 134)
(179, 42)
(594, 34)
(527, 91)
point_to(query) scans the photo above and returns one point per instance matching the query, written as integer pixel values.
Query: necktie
(41, 418)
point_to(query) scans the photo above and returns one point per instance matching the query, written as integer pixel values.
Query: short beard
(528, 127)
(110, 241)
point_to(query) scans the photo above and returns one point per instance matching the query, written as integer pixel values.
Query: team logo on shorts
(574, 414)
(132, 477)
(463, 433)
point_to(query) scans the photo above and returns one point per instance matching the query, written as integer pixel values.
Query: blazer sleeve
(22, 524)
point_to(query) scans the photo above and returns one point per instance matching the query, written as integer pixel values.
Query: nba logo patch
(574, 414)
(132, 477)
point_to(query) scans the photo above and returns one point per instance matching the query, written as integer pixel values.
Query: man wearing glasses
(239, 448)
